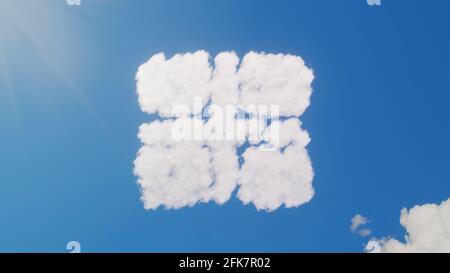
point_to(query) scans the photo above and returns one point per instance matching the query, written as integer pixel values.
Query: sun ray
(5, 76)
(20, 22)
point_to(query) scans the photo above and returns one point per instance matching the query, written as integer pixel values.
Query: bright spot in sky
(39, 36)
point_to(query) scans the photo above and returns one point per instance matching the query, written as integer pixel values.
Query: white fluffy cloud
(162, 84)
(171, 173)
(427, 230)
(276, 79)
(271, 179)
(176, 173)
(356, 222)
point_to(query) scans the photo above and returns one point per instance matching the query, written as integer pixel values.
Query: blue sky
(69, 117)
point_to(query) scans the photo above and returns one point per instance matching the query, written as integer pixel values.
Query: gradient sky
(379, 120)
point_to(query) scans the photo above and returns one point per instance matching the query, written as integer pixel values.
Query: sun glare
(46, 31)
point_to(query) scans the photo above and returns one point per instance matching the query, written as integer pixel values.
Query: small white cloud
(427, 230)
(364, 232)
(357, 221)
